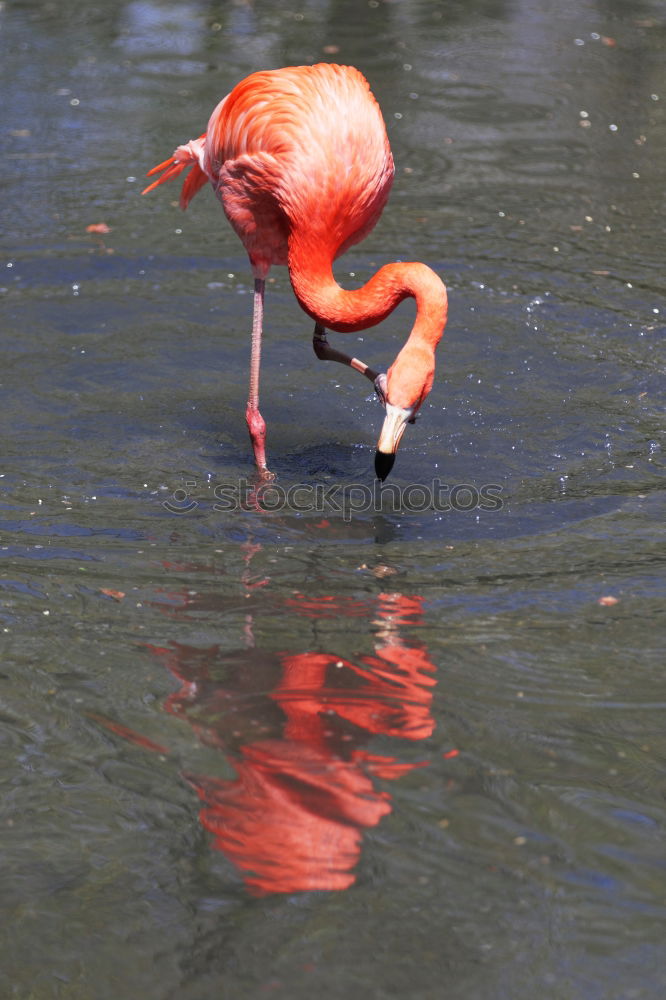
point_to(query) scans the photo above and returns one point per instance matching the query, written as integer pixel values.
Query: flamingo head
(395, 421)
(402, 391)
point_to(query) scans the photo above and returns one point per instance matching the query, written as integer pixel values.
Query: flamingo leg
(325, 352)
(255, 422)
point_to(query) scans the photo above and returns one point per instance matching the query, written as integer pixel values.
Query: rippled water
(313, 741)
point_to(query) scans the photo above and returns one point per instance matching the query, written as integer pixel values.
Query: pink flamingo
(301, 162)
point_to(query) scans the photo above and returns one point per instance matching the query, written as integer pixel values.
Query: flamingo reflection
(295, 727)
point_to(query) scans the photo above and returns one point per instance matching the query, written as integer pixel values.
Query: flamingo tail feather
(184, 158)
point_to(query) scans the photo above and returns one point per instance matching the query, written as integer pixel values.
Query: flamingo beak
(395, 421)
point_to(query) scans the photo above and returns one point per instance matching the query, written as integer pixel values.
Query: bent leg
(325, 352)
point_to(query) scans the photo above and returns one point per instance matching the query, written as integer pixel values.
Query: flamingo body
(300, 161)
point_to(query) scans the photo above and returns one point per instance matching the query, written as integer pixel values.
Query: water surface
(266, 748)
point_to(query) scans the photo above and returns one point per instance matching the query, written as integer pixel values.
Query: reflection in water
(295, 727)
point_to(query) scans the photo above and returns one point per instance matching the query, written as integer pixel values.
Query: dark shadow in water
(295, 726)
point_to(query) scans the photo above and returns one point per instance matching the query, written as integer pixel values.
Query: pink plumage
(300, 161)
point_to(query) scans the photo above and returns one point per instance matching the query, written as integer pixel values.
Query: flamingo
(300, 160)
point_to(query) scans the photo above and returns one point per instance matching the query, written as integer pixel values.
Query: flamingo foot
(256, 425)
(381, 389)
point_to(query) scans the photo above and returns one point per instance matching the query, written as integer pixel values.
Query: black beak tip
(383, 464)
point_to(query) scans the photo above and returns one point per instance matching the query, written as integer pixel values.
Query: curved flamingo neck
(337, 308)
(345, 310)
